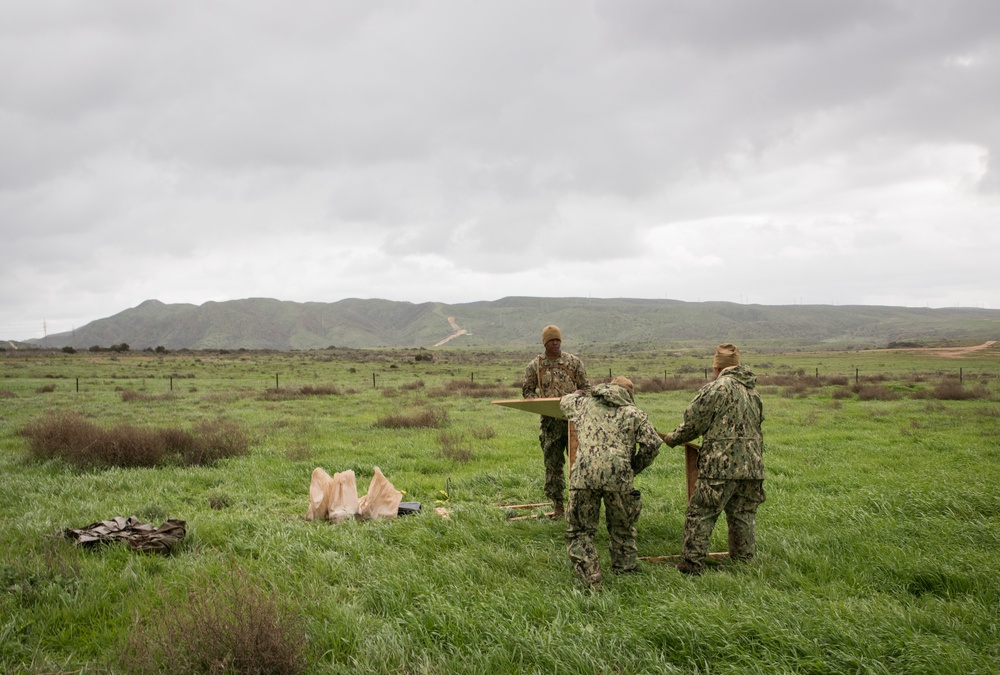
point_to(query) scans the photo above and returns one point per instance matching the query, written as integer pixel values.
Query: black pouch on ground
(407, 508)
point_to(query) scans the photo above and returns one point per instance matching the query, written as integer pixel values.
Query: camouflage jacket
(608, 428)
(727, 413)
(549, 378)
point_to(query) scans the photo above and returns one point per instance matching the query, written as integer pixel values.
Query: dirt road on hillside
(946, 352)
(457, 330)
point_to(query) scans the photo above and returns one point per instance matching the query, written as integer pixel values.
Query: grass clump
(469, 388)
(655, 385)
(130, 395)
(279, 394)
(70, 437)
(454, 447)
(432, 418)
(954, 390)
(223, 626)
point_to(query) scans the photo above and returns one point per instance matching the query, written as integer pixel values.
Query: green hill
(263, 323)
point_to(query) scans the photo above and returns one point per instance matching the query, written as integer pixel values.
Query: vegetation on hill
(262, 323)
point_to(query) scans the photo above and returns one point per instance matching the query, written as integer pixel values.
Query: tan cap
(625, 383)
(726, 355)
(551, 332)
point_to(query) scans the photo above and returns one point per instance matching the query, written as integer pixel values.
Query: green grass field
(877, 547)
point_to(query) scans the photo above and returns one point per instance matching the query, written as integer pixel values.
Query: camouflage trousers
(621, 510)
(554, 438)
(739, 499)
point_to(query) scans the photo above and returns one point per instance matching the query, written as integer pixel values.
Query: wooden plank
(691, 466)
(540, 406)
(548, 407)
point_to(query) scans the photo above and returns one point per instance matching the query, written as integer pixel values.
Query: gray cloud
(464, 151)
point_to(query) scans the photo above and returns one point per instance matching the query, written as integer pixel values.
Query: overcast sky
(774, 152)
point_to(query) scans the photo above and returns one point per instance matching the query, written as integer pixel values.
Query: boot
(557, 512)
(684, 567)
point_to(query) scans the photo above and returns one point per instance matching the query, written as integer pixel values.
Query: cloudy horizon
(770, 152)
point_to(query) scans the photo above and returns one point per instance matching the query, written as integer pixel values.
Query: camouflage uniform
(609, 427)
(727, 413)
(551, 378)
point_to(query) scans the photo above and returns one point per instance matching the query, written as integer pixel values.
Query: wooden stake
(525, 506)
(672, 559)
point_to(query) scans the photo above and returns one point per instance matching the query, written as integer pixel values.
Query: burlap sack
(382, 500)
(336, 498)
(333, 498)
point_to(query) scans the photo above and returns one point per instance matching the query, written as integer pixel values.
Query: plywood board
(540, 406)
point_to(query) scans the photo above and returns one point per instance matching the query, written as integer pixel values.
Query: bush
(953, 390)
(875, 392)
(129, 395)
(433, 418)
(228, 627)
(653, 385)
(324, 390)
(455, 448)
(470, 388)
(83, 444)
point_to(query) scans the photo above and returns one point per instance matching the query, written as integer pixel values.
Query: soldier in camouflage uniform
(609, 427)
(727, 413)
(552, 375)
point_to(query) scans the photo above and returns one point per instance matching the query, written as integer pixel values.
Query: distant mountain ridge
(264, 323)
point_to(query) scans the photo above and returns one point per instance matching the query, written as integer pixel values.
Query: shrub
(324, 390)
(279, 394)
(953, 390)
(455, 448)
(875, 392)
(84, 444)
(130, 395)
(46, 389)
(232, 626)
(652, 385)
(434, 418)
(469, 388)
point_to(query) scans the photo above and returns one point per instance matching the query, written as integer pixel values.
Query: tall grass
(878, 550)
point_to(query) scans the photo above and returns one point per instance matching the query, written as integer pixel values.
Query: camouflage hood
(741, 374)
(612, 395)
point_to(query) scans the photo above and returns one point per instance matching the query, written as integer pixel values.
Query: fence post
(960, 378)
(78, 385)
(855, 376)
(171, 383)
(373, 379)
(275, 380)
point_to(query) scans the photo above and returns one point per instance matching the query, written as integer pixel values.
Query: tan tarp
(140, 536)
(336, 497)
